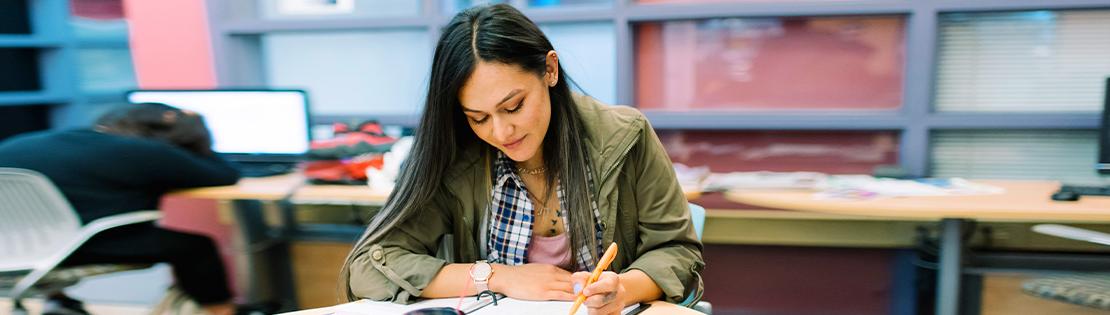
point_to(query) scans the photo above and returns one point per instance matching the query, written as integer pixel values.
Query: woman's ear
(551, 72)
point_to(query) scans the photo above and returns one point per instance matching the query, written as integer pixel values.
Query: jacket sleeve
(399, 267)
(668, 251)
(170, 167)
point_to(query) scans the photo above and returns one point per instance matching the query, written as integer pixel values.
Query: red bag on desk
(343, 159)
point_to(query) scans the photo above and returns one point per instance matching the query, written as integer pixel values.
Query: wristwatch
(481, 271)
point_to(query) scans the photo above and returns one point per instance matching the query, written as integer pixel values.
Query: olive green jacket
(642, 209)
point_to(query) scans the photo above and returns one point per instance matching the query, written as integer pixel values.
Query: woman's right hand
(536, 282)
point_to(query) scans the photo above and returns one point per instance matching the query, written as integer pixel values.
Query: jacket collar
(611, 131)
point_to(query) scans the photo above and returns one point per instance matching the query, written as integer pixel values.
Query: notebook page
(513, 306)
(504, 306)
(368, 307)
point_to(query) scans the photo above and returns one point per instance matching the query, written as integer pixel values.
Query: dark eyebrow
(503, 100)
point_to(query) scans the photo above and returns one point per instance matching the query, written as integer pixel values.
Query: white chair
(39, 229)
(1087, 289)
(1073, 233)
(697, 216)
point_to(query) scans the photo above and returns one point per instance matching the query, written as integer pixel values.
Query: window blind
(1068, 155)
(1031, 61)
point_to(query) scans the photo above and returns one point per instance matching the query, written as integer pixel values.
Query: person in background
(127, 162)
(531, 180)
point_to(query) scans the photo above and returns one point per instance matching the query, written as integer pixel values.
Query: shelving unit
(103, 67)
(35, 55)
(49, 83)
(238, 28)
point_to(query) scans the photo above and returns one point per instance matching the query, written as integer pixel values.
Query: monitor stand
(264, 169)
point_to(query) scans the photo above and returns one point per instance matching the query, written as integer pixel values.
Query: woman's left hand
(605, 296)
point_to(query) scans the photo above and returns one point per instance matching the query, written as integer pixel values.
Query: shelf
(24, 41)
(668, 12)
(809, 120)
(1014, 120)
(812, 120)
(846, 120)
(1011, 5)
(31, 98)
(256, 27)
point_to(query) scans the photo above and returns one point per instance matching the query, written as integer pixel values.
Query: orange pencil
(606, 259)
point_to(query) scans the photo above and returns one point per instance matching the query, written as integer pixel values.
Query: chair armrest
(1073, 233)
(112, 221)
(100, 225)
(41, 267)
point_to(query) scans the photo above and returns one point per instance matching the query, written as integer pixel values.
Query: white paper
(504, 306)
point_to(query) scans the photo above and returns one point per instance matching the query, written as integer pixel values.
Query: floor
(122, 293)
(34, 307)
(1002, 296)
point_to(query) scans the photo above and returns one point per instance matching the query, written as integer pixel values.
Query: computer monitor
(1103, 164)
(246, 125)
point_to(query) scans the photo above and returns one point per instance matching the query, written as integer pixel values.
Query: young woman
(524, 184)
(133, 156)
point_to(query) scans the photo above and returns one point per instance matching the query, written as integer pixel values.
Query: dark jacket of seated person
(104, 173)
(127, 162)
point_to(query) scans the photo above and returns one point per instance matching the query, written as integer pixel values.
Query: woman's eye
(515, 109)
(480, 121)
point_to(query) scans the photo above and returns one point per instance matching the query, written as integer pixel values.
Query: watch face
(481, 271)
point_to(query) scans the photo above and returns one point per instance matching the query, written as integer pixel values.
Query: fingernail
(577, 288)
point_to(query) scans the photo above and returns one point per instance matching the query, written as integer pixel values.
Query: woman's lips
(514, 144)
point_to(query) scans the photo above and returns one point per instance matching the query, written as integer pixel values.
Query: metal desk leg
(950, 267)
(264, 273)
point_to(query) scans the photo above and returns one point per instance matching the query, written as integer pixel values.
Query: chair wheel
(18, 309)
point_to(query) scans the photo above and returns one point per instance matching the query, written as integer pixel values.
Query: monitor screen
(1103, 165)
(244, 122)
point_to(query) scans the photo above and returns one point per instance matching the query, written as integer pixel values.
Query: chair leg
(29, 280)
(17, 307)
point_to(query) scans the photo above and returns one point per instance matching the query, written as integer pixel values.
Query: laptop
(262, 131)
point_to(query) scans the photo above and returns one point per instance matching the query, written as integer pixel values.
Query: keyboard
(1087, 190)
(264, 169)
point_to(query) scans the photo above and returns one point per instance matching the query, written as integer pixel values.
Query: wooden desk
(240, 204)
(263, 263)
(657, 308)
(278, 187)
(1024, 201)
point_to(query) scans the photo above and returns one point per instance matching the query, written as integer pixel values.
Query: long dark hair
(159, 122)
(501, 34)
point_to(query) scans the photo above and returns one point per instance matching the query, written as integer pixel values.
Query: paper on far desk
(504, 306)
(865, 187)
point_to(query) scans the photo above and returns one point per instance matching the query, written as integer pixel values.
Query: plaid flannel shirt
(511, 218)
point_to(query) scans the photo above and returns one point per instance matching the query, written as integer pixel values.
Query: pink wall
(170, 43)
(171, 48)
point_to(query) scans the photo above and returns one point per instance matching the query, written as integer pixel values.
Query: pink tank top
(554, 250)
